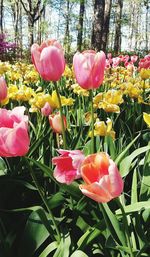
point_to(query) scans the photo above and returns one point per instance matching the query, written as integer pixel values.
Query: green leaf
(56, 200)
(113, 224)
(79, 253)
(63, 248)
(121, 156)
(41, 213)
(50, 248)
(134, 197)
(136, 207)
(13, 181)
(126, 162)
(44, 168)
(145, 185)
(87, 148)
(72, 189)
(111, 146)
(3, 167)
(88, 237)
(33, 236)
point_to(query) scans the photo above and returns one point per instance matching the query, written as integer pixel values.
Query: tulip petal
(96, 192)
(52, 62)
(116, 181)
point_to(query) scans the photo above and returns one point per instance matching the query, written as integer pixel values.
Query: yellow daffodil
(109, 101)
(68, 72)
(109, 107)
(39, 100)
(145, 73)
(103, 129)
(146, 118)
(78, 90)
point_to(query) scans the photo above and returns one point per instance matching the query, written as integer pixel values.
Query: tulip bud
(89, 68)
(56, 123)
(3, 89)
(48, 59)
(46, 110)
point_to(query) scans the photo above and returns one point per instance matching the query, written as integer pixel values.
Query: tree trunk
(131, 7)
(80, 25)
(146, 27)
(30, 31)
(1, 15)
(20, 30)
(98, 21)
(33, 12)
(67, 34)
(117, 43)
(105, 34)
(137, 13)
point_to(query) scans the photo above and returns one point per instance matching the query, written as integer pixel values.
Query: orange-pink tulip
(14, 138)
(89, 68)
(3, 89)
(102, 178)
(48, 59)
(56, 122)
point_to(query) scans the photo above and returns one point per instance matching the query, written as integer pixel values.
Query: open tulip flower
(102, 178)
(14, 138)
(68, 165)
(48, 59)
(89, 68)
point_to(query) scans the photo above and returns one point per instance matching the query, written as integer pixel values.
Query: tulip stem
(125, 222)
(61, 115)
(32, 173)
(92, 120)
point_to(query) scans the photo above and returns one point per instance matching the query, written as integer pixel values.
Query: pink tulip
(48, 59)
(3, 89)
(109, 55)
(46, 110)
(108, 64)
(102, 178)
(134, 58)
(145, 62)
(89, 68)
(116, 62)
(56, 123)
(14, 138)
(68, 165)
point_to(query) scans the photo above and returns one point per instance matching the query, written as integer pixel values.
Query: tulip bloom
(102, 178)
(145, 62)
(48, 60)
(14, 138)
(3, 89)
(56, 123)
(134, 58)
(46, 110)
(89, 68)
(68, 165)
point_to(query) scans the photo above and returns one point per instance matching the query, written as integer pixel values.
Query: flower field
(75, 155)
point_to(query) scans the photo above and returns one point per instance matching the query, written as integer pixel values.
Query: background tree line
(109, 25)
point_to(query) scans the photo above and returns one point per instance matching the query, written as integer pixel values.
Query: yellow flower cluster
(109, 101)
(79, 90)
(39, 100)
(25, 73)
(103, 129)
